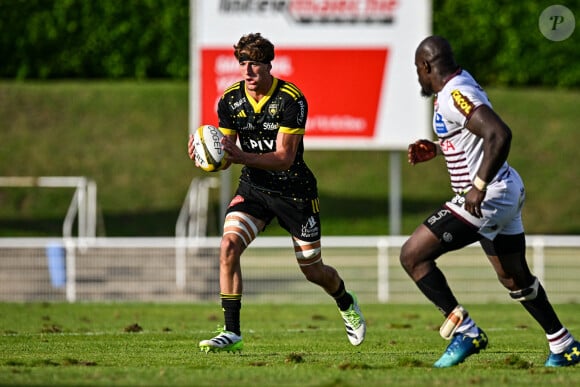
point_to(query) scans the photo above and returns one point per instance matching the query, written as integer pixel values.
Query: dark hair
(254, 47)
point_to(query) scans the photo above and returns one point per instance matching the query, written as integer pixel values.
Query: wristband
(479, 184)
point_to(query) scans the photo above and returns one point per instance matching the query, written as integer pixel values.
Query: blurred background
(100, 89)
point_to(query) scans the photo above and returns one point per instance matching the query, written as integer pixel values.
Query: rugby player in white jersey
(486, 208)
(268, 117)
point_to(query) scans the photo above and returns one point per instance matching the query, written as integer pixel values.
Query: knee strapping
(307, 253)
(241, 225)
(526, 294)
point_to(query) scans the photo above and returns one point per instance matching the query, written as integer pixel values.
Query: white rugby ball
(208, 148)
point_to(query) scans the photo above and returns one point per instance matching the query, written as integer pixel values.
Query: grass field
(285, 345)
(130, 137)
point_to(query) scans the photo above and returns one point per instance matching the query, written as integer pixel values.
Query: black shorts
(300, 217)
(453, 232)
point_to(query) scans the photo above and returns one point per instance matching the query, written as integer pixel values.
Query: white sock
(468, 328)
(560, 340)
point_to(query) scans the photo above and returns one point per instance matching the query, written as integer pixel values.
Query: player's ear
(427, 66)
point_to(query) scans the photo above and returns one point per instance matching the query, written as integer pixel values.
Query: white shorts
(501, 208)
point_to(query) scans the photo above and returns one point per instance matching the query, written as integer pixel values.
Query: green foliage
(94, 39)
(285, 345)
(45, 39)
(500, 42)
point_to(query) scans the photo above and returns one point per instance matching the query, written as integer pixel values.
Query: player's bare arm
(496, 140)
(279, 160)
(496, 145)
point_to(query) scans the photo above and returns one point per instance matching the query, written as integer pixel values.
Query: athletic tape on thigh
(240, 224)
(307, 253)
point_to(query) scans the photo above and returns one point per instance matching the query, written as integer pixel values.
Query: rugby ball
(209, 154)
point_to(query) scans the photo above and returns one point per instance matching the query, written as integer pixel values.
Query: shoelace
(352, 317)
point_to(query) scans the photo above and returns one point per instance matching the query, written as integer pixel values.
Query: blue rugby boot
(460, 348)
(570, 356)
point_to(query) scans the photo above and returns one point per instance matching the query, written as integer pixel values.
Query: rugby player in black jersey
(268, 117)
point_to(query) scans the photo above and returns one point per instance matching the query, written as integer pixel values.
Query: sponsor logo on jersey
(462, 103)
(301, 117)
(263, 145)
(238, 103)
(446, 146)
(270, 126)
(439, 124)
(310, 229)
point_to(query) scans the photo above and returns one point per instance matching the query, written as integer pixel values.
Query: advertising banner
(353, 60)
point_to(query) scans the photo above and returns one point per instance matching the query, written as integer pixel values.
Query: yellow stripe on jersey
(284, 129)
(315, 205)
(227, 131)
(235, 86)
(292, 90)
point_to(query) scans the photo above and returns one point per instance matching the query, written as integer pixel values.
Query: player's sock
(468, 328)
(231, 305)
(434, 286)
(543, 312)
(560, 340)
(343, 298)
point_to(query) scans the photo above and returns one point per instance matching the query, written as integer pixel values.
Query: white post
(395, 201)
(383, 270)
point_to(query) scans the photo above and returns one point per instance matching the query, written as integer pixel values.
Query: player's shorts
(501, 210)
(300, 217)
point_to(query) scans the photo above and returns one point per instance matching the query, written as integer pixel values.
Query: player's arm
(422, 150)
(279, 160)
(496, 135)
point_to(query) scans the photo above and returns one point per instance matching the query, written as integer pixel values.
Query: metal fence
(186, 270)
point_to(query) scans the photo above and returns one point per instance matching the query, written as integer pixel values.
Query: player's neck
(261, 90)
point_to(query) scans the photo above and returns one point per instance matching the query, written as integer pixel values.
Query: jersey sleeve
(296, 111)
(461, 103)
(226, 124)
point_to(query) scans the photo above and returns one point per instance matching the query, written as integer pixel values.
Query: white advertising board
(353, 59)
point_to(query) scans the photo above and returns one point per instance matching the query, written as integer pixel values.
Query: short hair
(437, 51)
(254, 47)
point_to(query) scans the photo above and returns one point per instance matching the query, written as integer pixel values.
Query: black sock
(231, 305)
(342, 297)
(434, 286)
(543, 312)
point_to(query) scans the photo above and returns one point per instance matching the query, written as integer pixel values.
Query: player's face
(256, 74)
(423, 76)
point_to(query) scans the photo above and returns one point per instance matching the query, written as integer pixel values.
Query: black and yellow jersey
(284, 109)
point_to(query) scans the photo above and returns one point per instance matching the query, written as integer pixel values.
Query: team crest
(273, 109)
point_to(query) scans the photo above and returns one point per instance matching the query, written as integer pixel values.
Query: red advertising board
(353, 60)
(342, 86)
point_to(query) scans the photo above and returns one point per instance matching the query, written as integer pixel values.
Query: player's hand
(420, 151)
(473, 200)
(191, 150)
(233, 154)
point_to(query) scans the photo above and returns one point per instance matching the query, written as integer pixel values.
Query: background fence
(186, 270)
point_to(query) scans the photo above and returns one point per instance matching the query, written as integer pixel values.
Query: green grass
(130, 137)
(286, 345)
